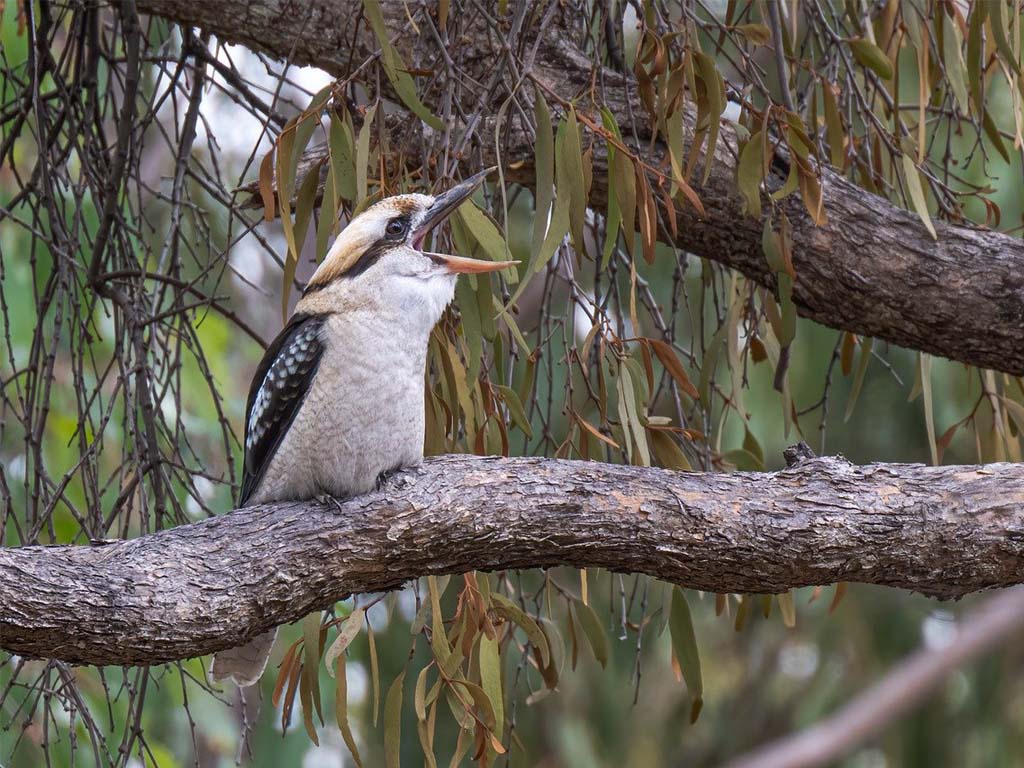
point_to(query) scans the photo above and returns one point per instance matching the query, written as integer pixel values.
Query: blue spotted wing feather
(279, 386)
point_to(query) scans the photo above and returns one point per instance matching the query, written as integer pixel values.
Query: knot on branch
(798, 454)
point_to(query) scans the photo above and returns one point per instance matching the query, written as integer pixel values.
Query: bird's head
(379, 258)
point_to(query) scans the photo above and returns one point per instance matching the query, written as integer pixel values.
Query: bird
(337, 402)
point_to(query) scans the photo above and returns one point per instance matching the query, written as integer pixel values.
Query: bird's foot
(384, 476)
(326, 498)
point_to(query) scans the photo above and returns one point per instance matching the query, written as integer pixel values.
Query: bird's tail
(244, 664)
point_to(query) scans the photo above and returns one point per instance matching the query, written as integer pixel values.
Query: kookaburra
(338, 399)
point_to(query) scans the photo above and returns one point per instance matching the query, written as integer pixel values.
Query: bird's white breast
(363, 414)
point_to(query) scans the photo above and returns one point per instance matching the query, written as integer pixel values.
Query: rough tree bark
(872, 270)
(191, 590)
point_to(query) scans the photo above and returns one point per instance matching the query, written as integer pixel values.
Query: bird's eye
(397, 227)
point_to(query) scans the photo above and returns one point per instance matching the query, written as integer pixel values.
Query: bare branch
(943, 531)
(993, 623)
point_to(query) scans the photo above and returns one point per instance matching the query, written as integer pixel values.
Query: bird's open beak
(462, 266)
(443, 206)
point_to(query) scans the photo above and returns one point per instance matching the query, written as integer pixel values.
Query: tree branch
(998, 620)
(198, 588)
(872, 270)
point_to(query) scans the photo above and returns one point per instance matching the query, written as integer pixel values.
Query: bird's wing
(278, 388)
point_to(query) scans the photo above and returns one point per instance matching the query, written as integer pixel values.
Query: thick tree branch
(942, 531)
(872, 269)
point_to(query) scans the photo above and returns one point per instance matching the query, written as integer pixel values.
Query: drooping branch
(872, 270)
(191, 590)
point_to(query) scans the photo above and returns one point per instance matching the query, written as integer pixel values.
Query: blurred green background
(760, 682)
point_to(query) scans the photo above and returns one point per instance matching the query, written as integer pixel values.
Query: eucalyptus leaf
(395, 68)
(596, 634)
(684, 647)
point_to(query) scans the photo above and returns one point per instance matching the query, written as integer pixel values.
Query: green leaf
(343, 164)
(544, 163)
(750, 174)
(485, 310)
(306, 696)
(570, 160)
(858, 377)
(667, 451)
(758, 34)
(327, 218)
(924, 361)
(556, 230)
(871, 56)
(363, 154)
(553, 637)
(285, 174)
(595, 632)
(975, 51)
(1015, 411)
(309, 120)
(834, 127)
(953, 63)
(710, 362)
(341, 710)
(742, 612)
(787, 608)
(513, 327)
(787, 328)
(512, 612)
(992, 131)
(295, 233)
(396, 70)
(917, 198)
(438, 637)
(266, 185)
(311, 660)
(771, 244)
(423, 728)
(623, 185)
(393, 723)
(613, 218)
(490, 680)
(743, 460)
(374, 672)
(630, 418)
(304, 205)
(751, 444)
(684, 646)
(515, 409)
(480, 699)
(715, 94)
(997, 21)
(419, 699)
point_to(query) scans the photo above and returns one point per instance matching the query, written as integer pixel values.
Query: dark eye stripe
(370, 257)
(372, 254)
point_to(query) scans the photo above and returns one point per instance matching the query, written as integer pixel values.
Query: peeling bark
(191, 590)
(872, 270)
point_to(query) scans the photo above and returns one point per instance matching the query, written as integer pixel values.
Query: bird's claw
(383, 477)
(326, 498)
